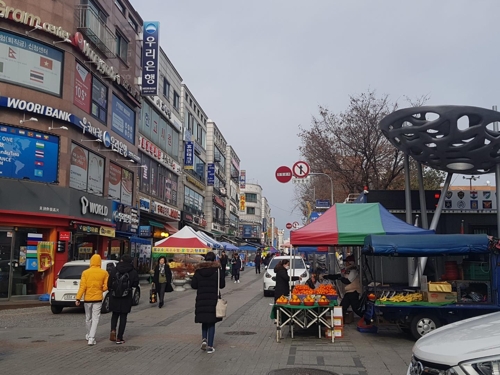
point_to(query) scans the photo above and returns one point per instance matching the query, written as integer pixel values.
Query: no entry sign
(283, 174)
(288, 225)
(301, 169)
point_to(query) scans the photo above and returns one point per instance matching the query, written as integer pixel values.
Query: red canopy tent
(185, 241)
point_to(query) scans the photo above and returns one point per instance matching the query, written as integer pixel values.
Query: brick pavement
(167, 341)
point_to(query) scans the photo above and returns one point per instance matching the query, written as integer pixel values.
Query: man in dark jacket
(282, 279)
(121, 305)
(258, 259)
(207, 279)
(223, 262)
(236, 267)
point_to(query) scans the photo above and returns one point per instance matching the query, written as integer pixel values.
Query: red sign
(288, 225)
(64, 236)
(83, 85)
(301, 169)
(283, 174)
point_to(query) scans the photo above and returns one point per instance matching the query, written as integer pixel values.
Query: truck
(466, 266)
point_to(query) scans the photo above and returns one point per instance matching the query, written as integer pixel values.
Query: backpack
(121, 285)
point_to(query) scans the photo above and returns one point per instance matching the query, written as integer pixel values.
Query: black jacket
(282, 281)
(223, 262)
(205, 281)
(258, 259)
(168, 273)
(122, 304)
(236, 263)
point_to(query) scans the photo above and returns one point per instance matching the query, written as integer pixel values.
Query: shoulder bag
(221, 307)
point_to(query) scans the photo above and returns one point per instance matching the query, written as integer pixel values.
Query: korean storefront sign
(161, 209)
(242, 202)
(150, 58)
(125, 217)
(243, 179)
(195, 182)
(188, 155)
(145, 204)
(210, 174)
(160, 156)
(107, 232)
(219, 201)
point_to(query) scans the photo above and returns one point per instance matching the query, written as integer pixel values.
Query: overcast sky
(261, 68)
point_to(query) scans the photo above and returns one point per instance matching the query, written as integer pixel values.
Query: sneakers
(204, 345)
(91, 341)
(122, 341)
(87, 337)
(210, 350)
(238, 281)
(112, 336)
(235, 281)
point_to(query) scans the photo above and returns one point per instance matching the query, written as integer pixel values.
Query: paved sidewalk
(166, 341)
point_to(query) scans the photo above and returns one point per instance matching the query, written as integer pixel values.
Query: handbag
(152, 294)
(169, 288)
(221, 307)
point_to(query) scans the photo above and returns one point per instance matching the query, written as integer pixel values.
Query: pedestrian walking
(258, 260)
(223, 262)
(206, 280)
(93, 283)
(236, 267)
(163, 280)
(123, 278)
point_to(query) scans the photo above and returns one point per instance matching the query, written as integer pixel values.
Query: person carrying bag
(221, 307)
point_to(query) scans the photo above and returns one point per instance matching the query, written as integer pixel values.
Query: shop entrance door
(6, 238)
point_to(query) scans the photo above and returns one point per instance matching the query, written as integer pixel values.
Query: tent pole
(408, 209)
(421, 195)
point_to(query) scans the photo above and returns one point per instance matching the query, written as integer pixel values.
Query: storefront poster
(32, 264)
(123, 122)
(96, 174)
(22, 256)
(144, 252)
(115, 181)
(125, 217)
(83, 83)
(126, 194)
(78, 173)
(45, 255)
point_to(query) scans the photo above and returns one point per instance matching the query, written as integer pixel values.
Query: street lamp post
(471, 178)
(331, 183)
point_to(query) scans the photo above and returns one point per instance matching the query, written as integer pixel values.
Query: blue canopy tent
(425, 245)
(229, 246)
(209, 240)
(249, 248)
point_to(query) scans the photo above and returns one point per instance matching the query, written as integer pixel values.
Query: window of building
(121, 46)
(191, 103)
(120, 6)
(250, 197)
(218, 215)
(166, 88)
(199, 168)
(96, 9)
(193, 200)
(158, 181)
(133, 24)
(176, 100)
(251, 210)
(99, 100)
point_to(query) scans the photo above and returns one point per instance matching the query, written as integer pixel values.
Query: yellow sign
(242, 202)
(178, 250)
(45, 254)
(107, 232)
(115, 250)
(85, 250)
(195, 182)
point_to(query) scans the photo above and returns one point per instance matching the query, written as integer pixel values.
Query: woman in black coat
(162, 279)
(236, 267)
(205, 280)
(121, 306)
(282, 279)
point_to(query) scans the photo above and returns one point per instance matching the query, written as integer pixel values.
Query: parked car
(68, 281)
(299, 269)
(467, 347)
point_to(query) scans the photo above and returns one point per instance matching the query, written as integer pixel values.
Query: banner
(150, 50)
(188, 155)
(242, 202)
(243, 179)
(45, 255)
(210, 174)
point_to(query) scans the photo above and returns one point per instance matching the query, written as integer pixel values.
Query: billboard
(27, 154)
(123, 122)
(115, 181)
(210, 174)
(83, 85)
(25, 62)
(243, 179)
(150, 50)
(86, 170)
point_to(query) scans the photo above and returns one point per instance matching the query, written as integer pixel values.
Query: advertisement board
(126, 193)
(123, 120)
(28, 63)
(96, 174)
(83, 84)
(243, 179)
(210, 174)
(150, 50)
(27, 154)
(188, 155)
(78, 169)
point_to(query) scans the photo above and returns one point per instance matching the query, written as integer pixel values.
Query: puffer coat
(205, 281)
(94, 281)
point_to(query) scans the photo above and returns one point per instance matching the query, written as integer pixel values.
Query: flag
(39, 163)
(30, 134)
(36, 76)
(46, 63)
(46, 137)
(40, 145)
(39, 154)
(22, 132)
(12, 53)
(38, 173)
(38, 136)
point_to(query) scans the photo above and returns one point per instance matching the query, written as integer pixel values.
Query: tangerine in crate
(309, 300)
(295, 300)
(323, 301)
(282, 300)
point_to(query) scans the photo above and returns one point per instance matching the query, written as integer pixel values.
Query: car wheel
(423, 324)
(105, 305)
(136, 298)
(56, 309)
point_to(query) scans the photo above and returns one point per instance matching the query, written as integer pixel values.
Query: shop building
(251, 214)
(233, 191)
(69, 148)
(194, 182)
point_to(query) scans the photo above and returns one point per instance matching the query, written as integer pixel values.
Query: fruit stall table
(304, 316)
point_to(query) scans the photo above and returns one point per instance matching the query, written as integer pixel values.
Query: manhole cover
(35, 341)
(120, 349)
(300, 371)
(240, 333)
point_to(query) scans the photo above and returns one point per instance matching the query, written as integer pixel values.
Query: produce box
(440, 297)
(337, 312)
(338, 321)
(443, 287)
(338, 332)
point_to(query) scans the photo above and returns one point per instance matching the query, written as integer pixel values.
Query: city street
(167, 341)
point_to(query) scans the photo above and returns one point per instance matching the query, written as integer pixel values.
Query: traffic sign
(289, 226)
(283, 174)
(295, 224)
(301, 169)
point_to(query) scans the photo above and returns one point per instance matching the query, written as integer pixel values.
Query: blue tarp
(209, 240)
(229, 246)
(426, 245)
(249, 248)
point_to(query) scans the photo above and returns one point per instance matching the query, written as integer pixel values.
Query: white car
(68, 281)
(467, 347)
(299, 269)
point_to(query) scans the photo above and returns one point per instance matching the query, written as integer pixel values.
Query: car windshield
(295, 263)
(72, 272)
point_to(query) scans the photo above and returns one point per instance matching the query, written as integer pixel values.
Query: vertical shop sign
(188, 155)
(83, 86)
(243, 179)
(210, 174)
(150, 58)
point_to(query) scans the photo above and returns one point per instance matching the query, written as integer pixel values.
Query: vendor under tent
(229, 246)
(209, 240)
(349, 224)
(184, 241)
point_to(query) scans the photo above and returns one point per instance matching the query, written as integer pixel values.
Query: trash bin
(20, 289)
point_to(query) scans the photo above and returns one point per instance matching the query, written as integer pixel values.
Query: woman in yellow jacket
(93, 283)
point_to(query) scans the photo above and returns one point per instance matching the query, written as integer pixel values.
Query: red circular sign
(283, 174)
(289, 225)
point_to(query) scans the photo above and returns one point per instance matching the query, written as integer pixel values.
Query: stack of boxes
(338, 322)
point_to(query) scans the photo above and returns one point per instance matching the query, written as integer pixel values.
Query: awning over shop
(170, 229)
(140, 240)
(156, 224)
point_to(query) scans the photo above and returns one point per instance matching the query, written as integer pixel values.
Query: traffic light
(436, 197)
(61, 246)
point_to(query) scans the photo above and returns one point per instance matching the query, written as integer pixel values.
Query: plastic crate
(477, 271)
(483, 286)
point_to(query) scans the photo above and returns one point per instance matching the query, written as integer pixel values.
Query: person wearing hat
(350, 278)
